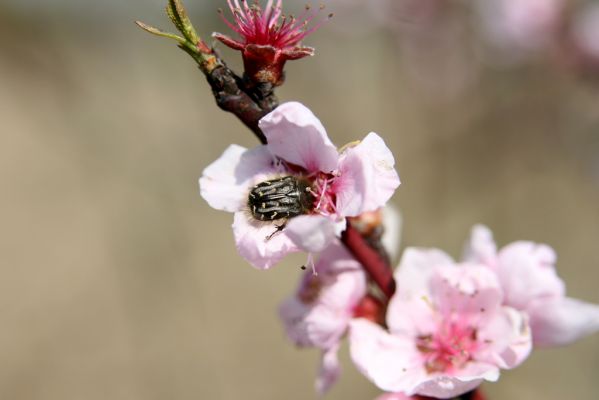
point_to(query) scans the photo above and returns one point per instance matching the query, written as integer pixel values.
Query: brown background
(119, 282)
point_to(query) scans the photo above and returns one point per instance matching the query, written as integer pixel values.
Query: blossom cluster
(450, 325)
(447, 46)
(442, 326)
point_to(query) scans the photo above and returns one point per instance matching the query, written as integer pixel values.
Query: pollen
(450, 347)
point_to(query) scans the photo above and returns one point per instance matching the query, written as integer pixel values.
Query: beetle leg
(278, 228)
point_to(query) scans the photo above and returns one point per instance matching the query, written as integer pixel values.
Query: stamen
(322, 193)
(310, 263)
(268, 25)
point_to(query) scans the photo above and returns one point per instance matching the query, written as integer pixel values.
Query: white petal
(257, 244)
(311, 233)
(225, 183)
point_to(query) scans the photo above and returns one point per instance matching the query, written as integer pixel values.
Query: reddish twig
(377, 268)
(249, 101)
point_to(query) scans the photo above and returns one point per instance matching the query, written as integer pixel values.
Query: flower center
(324, 195)
(449, 348)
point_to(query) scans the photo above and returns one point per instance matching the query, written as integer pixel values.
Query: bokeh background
(119, 282)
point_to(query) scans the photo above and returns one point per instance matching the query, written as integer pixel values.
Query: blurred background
(119, 282)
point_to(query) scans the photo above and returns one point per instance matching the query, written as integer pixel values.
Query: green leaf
(158, 32)
(178, 15)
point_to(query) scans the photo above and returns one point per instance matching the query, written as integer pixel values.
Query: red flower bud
(268, 38)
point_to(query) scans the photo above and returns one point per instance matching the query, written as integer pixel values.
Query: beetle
(281, 198)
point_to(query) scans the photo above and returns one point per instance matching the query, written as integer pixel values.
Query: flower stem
(249, 102)
(374, 264)
(231, 95)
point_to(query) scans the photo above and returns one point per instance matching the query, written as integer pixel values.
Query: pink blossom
(448, 330)
(520, 25)
(360, 178)
(319, 313)
(357, 17)
(585, 32)
(268, 38)
(527, 274)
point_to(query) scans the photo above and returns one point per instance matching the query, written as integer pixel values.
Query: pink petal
(411, 317)
(329, 371)
(467, 289)
(445, 387)
(347, 290)
(520, 25)
(526, 271)
(297, 136)
(474, 370)
(367, 177)
(232, 43)
(508, 338)
(253, 245)
(413, 295)
(336, 259)
(415, 269)
(343, 278)
(585, 31)
(481, 247)
(319, 313)
(225, 183)
(560, 321)
(311, 233)
(308, 325)
(390, 361)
